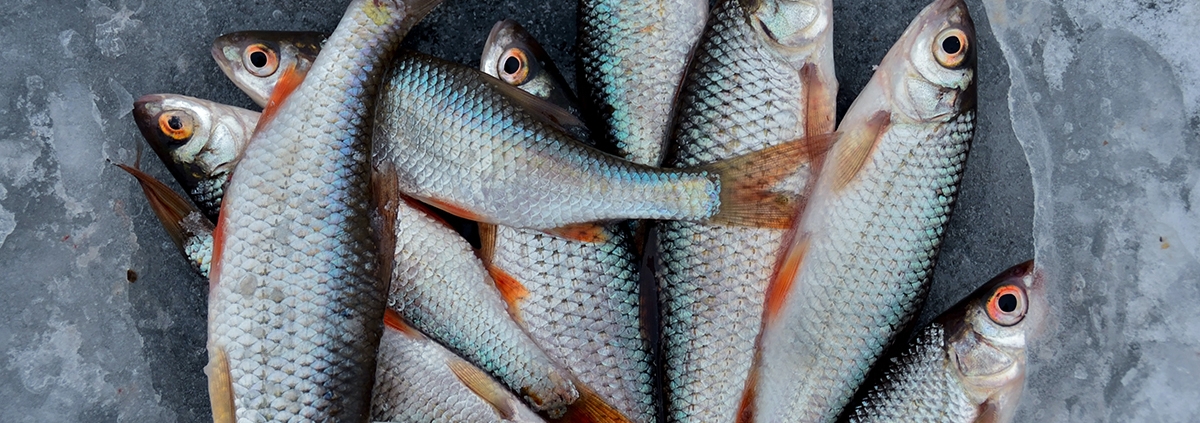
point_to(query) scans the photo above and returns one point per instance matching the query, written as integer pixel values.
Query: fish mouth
(145, 113)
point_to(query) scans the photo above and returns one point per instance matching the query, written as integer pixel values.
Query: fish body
(713, 278)
(633, 54)
(968, 365)
(254, 60)
(198, 140)
(582, 301)
(296, 295)
(418, 380)
(858, 269)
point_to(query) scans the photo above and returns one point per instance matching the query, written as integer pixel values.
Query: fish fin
(487, 243)
(542, 109)
(855, 147)
(746, 407)
(781, 282)
(220, 387)
(484, 386)
(582, 232)
(289, 80)
(454, 209)
(218, 247)
(392, 320)
(424, 208)
(819, 110)
(590, 408)
(747, 180)
(988, 412)
(170, 207)
(511, 290)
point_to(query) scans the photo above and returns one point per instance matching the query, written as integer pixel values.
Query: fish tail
(747, 182)
(590, 408)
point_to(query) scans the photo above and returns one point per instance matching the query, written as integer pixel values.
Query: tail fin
(590, 408)
(747, 181)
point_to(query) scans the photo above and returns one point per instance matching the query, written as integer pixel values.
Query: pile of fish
(790, 254)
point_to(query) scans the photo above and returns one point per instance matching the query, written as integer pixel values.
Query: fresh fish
(713, 278)
(296, 293)
(858, 269)
(198, 140)
(968, 365)
(418, 380)
(579, 300)
(255, 60)
(632, 55)
(477, 148)
(190, 231)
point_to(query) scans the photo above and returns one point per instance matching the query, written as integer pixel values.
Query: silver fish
(254, 60)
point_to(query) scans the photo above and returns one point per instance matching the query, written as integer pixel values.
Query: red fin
(214, 271)
(855, 147)
(487, 243)
(454, 209)
(220, 387)
(424, 208)
(511, 290)
(393, 320)
(288, 81)
(590, 408)
(819, 110)
(747, 181)
(170, 207)
(484, 386)
(746, 408)
(781, 282)
(582, 232)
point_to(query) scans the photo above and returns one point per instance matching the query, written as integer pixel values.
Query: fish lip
(145, 112)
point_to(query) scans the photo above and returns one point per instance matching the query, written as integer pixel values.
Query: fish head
(197, 139)
(512, 55)
(986, 335)
(799, 30)
(253, 59)
(930, 71)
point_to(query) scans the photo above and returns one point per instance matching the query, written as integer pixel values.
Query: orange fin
(747, 181)
(484, 386)
(487, 243)
(170, 207)
(454, 209)
(819, 110)
(746, 408)
(220, 387)
(214, 271)
(781, 284)
(590, 408)
(511, 290)
(855, 147)
(288, 81)
(582, 232)
(424, 208)
(392, 320)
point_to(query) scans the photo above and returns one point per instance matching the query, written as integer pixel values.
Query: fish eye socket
(1007, 306)
(950, 47)
(514, 68)
(260, 60)
(176, 126)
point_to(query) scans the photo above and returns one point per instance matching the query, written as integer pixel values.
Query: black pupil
(258, 59)
(175, 123)
(951, 45)
(511, 64)
(1007, 303)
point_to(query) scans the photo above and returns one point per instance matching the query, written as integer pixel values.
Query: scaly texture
(633, 55)
(295, 301)
(918, 387)
(713, 278)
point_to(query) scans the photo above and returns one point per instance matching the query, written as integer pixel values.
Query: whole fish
(713, 278)
(632, 56)
(198, 140)
(190, 231)
(858, 269)
(968, 365)
(580, 300)
(471, 145)
(296, 298)
(255, 60)
(418, 380)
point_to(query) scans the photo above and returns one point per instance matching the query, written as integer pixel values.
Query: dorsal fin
(484, 386)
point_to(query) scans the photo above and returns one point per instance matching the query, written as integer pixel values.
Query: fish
(255, 60)
(418, 380)
(296, 292)
(188, 228)
(477, 148)
(968, 364)
(580, 300)
(198, 140)
(713, 279)
(859, 266)
(632, 56)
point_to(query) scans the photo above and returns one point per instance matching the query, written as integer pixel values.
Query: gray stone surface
(106, 321)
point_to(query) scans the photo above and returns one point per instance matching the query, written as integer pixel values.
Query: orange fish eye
(1007, 305)
(175, 125)
(950, 47)
(513, 67)
(260, 60)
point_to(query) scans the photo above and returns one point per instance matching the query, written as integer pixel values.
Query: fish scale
(295, 300)
(740, 95)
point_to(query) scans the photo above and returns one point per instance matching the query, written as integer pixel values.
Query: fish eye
(175, 125)
(1007, 305)
(260, 60)
(514, 68)
(950, 47)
